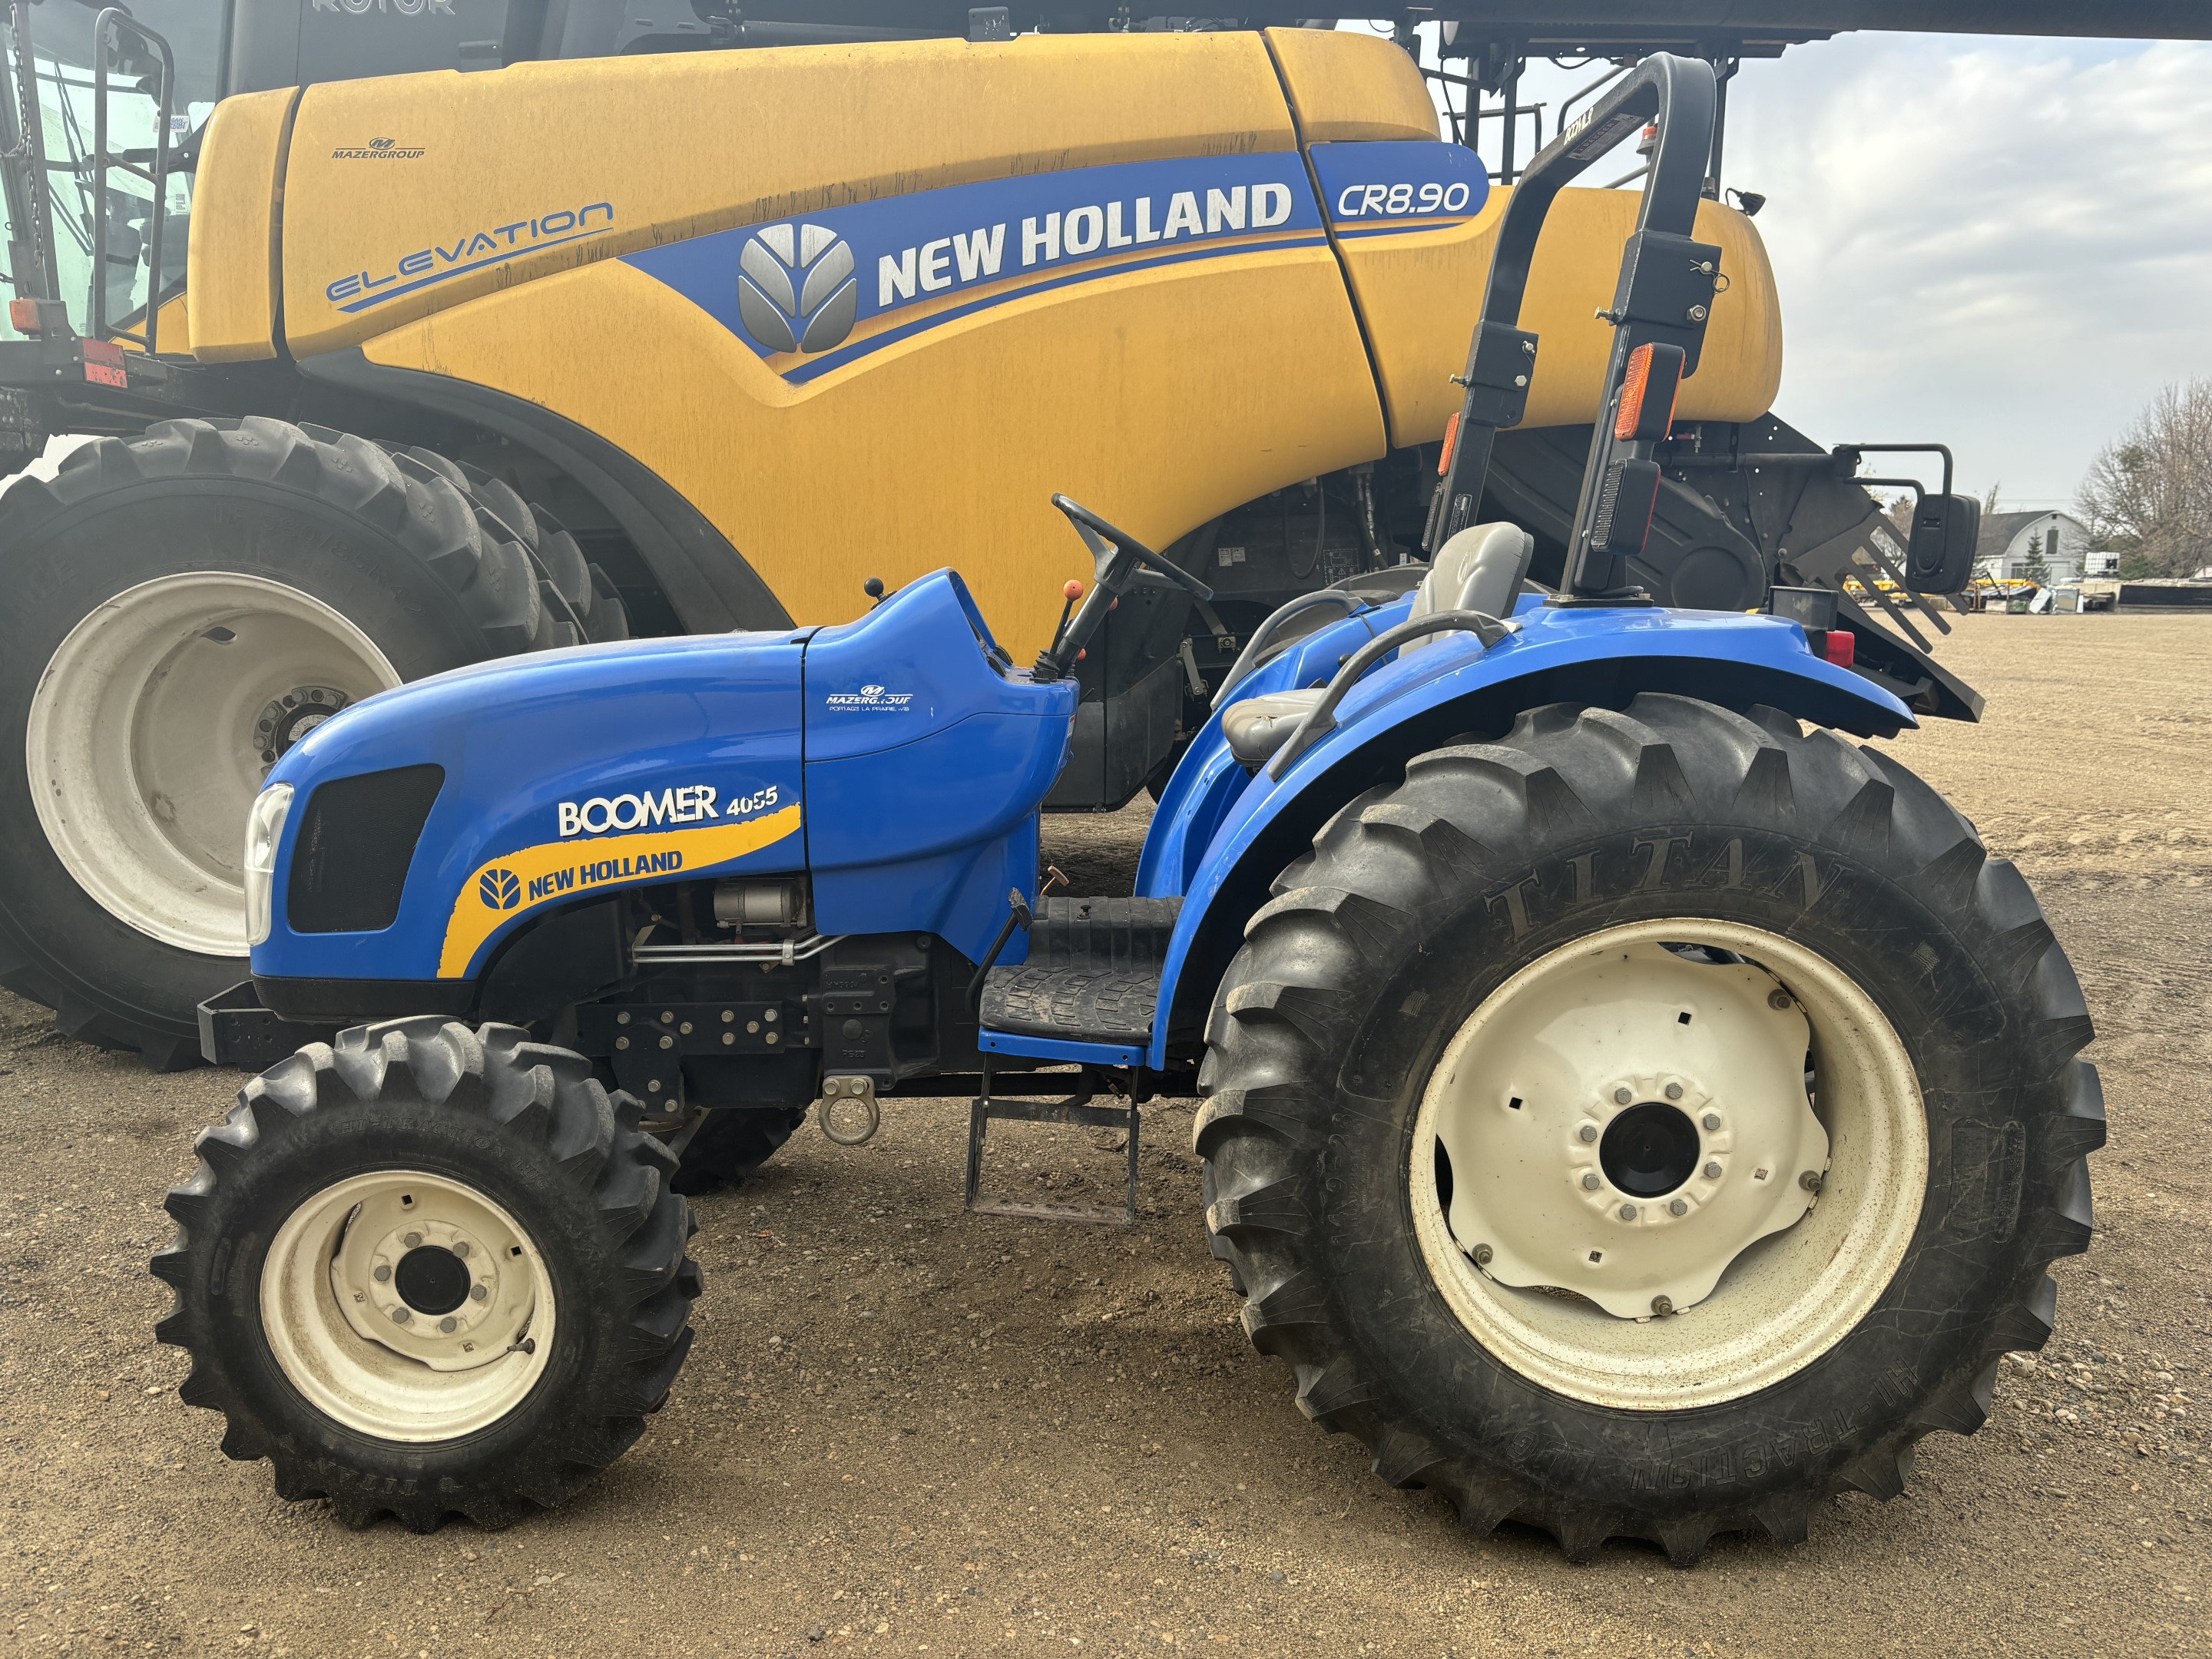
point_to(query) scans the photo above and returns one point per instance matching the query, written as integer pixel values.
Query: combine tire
(733, 1142)
(182, 607)
(431, 1270)
(1649, 1123)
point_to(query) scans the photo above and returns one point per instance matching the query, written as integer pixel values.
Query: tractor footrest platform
(1092, 975)
(1076, 1110)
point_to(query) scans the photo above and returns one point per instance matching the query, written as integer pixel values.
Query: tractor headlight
(265, 827)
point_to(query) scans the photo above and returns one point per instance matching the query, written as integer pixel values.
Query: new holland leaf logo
(796, 291)
(499, 890)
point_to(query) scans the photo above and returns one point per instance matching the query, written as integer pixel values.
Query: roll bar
(1663, 300)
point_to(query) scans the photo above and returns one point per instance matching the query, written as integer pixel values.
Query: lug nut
(383, 1273)
(412, 1241)
(1628, 1213)
(1673, 1091)
(449, 1324)
(461, 1247)
(1778, 1000)
(478, 1293)
(1711, 1120)
(1712, 1171)
(1588, 1132)
(1482, 1255)
(400, 1315)
(1589, 1183)
(1663, 1305)
(1810, 1181)
(1679, 1207)
(1622, 1096)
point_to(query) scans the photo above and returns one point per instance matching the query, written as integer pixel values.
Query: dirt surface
(904, 1430)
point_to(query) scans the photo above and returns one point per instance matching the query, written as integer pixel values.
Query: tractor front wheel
(1649, 1123)
(429, 1271)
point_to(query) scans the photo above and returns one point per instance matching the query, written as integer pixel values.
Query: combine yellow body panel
(865, 308)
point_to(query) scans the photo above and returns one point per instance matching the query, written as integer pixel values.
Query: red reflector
(1632, 388)
(1840, 648)
(23, 316)
(1451, 443)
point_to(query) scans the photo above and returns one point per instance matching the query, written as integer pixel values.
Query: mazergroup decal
(380, 149)
(870, 696)
(812, 293)
(1392, 186)
(472, 250)
(504, 888)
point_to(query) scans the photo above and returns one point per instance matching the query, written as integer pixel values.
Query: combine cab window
(61, 40)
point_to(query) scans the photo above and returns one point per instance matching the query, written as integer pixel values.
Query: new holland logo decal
(796, 289)
(499, 890)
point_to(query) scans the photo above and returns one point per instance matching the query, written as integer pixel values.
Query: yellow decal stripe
(498, 892)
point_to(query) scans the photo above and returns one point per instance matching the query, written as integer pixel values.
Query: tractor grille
(356, 843)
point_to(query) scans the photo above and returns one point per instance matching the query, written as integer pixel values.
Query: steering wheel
(1120, 559)
(1106, 542)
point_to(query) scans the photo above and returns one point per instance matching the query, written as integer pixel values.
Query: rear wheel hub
(1641, 1124)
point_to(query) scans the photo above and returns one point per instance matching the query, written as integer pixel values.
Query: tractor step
(1075, 1110)
(1092, 975)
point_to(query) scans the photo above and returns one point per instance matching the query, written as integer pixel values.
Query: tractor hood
(426, 825)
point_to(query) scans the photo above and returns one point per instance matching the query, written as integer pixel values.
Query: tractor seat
(1481, 568)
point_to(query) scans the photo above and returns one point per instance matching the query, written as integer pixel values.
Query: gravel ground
(904, 1430)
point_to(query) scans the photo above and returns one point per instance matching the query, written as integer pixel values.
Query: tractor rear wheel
(1649, 1123)
(181, 607)
(428, 1270)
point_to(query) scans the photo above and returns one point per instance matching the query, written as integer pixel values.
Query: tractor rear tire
(1936, 1023)
(733, 1143)
(429, 1271)
(180, 605)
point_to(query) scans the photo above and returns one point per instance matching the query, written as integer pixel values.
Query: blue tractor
(1628, 1106)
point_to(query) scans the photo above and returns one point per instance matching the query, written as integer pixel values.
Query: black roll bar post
(1664, 295)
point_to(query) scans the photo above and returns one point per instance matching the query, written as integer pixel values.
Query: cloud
(2001, 243)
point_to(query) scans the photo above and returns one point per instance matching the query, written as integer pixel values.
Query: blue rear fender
(1208, 779)
(1438, 695)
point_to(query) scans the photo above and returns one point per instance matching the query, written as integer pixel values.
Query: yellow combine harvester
(469, 364)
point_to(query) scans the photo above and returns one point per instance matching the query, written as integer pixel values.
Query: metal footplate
(1075, 1111)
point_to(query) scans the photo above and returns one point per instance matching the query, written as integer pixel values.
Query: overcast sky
(2003, 244)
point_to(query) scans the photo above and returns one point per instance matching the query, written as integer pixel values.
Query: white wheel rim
(1761, 1277)
(335, 1308)
(149, 733)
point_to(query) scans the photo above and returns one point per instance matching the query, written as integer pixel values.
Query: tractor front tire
(733, 1143)
(429, 1271)
(181, 606)
(1649, 1123)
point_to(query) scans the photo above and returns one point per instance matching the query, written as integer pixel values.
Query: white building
(2010, 541)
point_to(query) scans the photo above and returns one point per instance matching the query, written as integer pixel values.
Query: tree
(2038, 567)
(2147, 496)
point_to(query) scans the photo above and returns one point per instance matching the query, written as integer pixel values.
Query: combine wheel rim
(1754, 1277)
(145, 744)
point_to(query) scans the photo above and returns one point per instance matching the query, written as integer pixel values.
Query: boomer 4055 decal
(625, 843)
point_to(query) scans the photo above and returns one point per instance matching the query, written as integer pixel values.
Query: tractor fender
(1456, 690)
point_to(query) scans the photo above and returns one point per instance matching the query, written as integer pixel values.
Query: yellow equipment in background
(499, 242)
